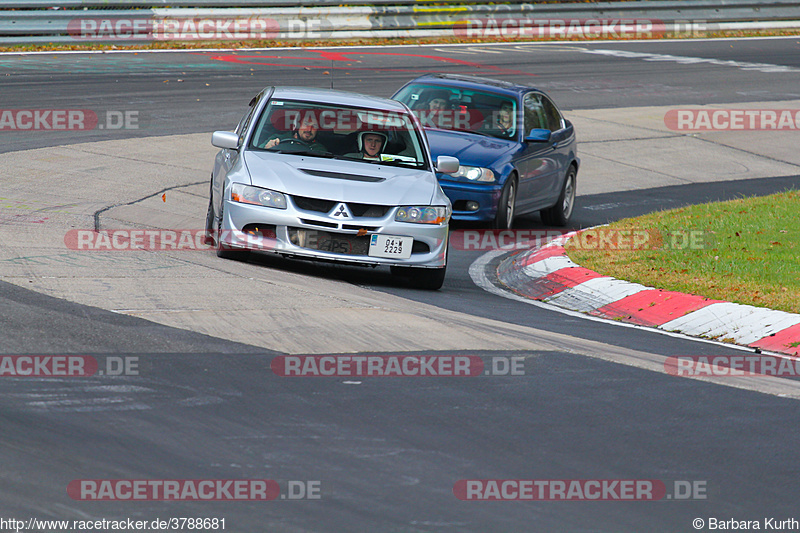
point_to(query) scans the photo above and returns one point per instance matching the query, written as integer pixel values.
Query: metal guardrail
(137, 21)
(618, 6)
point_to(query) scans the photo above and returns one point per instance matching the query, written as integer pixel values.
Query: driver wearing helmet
(304, 134)
(370, 145)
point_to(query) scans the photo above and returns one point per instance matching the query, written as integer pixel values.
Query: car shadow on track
(360, 275)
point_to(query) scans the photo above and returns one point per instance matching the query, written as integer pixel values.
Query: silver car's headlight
(475, 173)
(436, 214)
(256, 195)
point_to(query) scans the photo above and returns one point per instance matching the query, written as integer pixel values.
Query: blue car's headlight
(475, 173)
(256, 195)
(436, 214)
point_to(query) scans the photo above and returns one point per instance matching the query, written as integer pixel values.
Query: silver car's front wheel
(224, 250)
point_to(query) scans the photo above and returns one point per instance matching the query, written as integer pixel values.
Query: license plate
(390, 246)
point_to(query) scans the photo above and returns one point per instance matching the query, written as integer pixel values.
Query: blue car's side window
(554, 120)
(541, 113)
(533, 109)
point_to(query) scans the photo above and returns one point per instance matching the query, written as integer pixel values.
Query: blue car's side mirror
(538, 135)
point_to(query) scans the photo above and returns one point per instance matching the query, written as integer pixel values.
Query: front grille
(333, 225)
(368, 211)
(318, 205)
(356, 227)
(313, 204)
(340, 243)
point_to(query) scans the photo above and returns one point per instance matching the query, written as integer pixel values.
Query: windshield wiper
(399, 163)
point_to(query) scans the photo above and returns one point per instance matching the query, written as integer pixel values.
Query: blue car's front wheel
(506, 207)
(560, 213)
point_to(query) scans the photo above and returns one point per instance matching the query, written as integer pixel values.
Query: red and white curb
(548, 275)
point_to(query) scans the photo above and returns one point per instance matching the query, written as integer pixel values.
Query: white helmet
(379, 133)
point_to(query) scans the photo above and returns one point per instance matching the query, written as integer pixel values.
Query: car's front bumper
(487, 195)
(285, 226)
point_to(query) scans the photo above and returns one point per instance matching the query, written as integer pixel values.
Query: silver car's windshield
(329, 131)
(455, 108)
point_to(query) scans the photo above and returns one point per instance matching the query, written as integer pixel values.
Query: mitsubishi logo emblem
(342, 211)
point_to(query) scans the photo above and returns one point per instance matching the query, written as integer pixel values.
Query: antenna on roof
(331, 73)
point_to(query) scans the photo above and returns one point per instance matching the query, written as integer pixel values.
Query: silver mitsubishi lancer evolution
(331, 176)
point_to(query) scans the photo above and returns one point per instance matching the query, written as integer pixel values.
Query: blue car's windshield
(455, 108)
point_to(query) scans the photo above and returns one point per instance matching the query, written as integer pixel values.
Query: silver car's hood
(335, 179)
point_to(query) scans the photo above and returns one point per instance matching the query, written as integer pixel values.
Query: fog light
(472, 206)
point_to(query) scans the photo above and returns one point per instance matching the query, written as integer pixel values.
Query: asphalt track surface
(388, 451)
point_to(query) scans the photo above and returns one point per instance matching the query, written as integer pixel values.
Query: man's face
(437, 104)
(504, 116)
(307, 130)
(372, 144)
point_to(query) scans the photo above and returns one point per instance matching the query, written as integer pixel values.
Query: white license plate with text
(390, 246)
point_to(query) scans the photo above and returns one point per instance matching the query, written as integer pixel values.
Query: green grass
(747, 251)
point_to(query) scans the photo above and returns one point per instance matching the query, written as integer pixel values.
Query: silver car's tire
(560, 213)
(223, 250)
(208, 236)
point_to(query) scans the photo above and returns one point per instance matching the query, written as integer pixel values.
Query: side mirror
(447, 165)
(538, 135)
(225, 139)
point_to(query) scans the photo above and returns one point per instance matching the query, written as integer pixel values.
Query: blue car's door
(539, 163)
(563, 142)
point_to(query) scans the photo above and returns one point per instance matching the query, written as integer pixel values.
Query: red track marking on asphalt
(325, 55)
(781, 341)
(653, 307)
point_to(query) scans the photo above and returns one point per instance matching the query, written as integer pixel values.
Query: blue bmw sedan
(518, 153)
